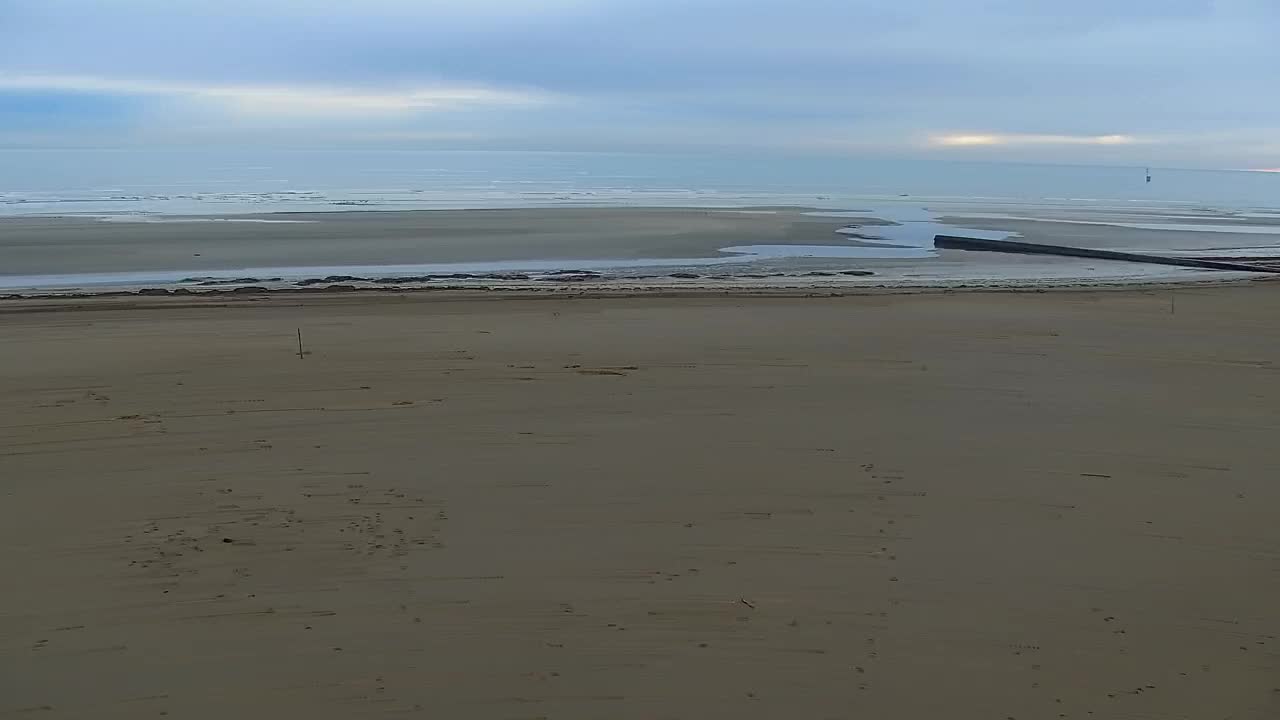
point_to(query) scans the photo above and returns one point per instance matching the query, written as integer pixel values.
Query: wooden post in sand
(301, 355)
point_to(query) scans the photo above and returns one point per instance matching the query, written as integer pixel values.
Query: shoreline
(570, 283)
(158, 298)
(889, 244)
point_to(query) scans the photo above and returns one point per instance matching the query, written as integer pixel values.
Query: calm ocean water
(201, 181)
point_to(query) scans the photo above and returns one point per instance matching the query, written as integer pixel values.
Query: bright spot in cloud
(284, 100)
(1014, 139)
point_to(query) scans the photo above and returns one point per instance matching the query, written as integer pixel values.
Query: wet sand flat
(964, 506)
(52, 245)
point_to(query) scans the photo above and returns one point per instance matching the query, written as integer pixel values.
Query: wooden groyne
(953, 242)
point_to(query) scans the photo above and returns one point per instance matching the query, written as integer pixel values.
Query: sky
(1169, 83)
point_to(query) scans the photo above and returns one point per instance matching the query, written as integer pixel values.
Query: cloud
(991, 139)
(276, 100)
(1150, 81)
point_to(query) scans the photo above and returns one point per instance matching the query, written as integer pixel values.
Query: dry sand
(980, 506)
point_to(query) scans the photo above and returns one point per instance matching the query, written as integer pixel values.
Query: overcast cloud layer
(1160, 82)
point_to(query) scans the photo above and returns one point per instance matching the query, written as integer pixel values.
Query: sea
(208, 181)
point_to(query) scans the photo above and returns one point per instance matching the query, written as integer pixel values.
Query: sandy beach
(963, 506)
(882, 243)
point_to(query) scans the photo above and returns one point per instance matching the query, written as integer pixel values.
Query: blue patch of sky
(38, 109)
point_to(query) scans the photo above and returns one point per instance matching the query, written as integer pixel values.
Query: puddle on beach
(913, 227)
